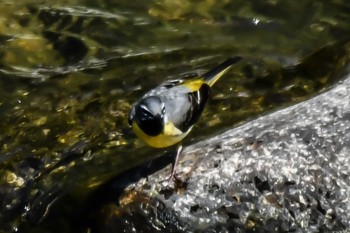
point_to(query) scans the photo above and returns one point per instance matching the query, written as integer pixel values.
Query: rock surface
(287, 171)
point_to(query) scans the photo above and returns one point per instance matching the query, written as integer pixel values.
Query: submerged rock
(287, 171)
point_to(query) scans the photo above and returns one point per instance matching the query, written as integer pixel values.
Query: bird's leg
(178, 152)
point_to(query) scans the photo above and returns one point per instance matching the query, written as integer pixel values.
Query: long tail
(214, 74)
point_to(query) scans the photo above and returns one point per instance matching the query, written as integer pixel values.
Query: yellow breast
(169, 137)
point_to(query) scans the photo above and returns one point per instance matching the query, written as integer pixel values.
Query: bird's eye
(163, 110)
(130, 117)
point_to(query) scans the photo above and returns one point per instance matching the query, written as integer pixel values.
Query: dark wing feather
(198, 99)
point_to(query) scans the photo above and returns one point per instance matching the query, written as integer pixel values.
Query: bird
(166, 114)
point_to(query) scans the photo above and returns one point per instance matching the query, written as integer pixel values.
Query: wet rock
(287, 171)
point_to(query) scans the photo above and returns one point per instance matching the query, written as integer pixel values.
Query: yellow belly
(159, 141)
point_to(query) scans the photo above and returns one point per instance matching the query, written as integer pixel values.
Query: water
(70, 70)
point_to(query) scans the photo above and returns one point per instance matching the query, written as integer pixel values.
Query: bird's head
(148, 114)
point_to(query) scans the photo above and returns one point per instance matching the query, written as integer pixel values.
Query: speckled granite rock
(288, 171)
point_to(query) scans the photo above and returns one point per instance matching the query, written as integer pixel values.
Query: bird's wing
(183, 108)
(198, 101)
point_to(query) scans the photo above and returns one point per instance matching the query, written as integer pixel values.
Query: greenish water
(70, 70)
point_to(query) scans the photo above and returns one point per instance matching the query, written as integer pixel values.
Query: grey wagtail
(167, 113)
